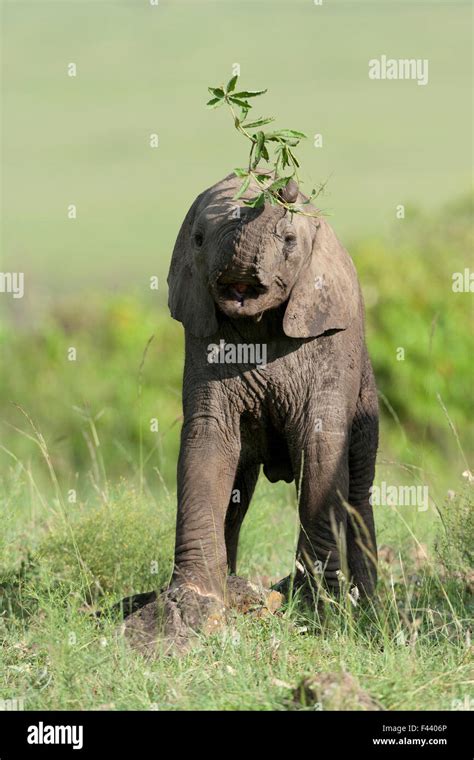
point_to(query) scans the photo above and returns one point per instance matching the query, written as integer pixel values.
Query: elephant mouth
(239, 291)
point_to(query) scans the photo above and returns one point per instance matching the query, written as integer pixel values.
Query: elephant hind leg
(361, 541)
(242, 492)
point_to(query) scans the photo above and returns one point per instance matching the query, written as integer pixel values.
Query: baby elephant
(276, 374)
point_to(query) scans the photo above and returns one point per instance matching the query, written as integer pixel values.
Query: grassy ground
(410, 650)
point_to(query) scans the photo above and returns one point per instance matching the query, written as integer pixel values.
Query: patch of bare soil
(333, 691)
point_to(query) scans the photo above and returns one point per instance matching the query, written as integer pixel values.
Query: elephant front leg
(323, 487)
(206, 472)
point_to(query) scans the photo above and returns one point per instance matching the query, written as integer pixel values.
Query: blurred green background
(144, 69)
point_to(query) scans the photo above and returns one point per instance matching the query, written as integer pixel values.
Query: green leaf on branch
(241, 103)
(282, 138)
(293, 157)
(291, 133)
(257, 202)
(260, 144)
(249, 93)
(218, 92)
(243, 187)
(258, 123)
(285, 161)
(231, 84)
(275, 148)
(279, 184)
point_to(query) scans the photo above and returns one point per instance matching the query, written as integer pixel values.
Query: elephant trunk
(248, 264)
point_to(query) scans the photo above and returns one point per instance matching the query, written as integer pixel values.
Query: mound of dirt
(333, 691)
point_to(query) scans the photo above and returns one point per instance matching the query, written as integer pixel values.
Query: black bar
(378, 734)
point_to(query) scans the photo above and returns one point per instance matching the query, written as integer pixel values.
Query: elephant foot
(172, 621)
(283, 586)
(314, 592)
(292, 583)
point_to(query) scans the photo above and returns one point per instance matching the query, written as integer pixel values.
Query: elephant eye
(290, 238)
(198, 239)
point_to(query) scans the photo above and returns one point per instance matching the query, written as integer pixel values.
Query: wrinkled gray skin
(309, 415)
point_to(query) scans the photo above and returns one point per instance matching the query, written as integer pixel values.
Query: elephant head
(241, 262)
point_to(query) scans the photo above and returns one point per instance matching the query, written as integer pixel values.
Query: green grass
(410, 650)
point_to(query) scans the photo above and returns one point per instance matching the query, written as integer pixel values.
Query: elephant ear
(189, 299)
(325, 295)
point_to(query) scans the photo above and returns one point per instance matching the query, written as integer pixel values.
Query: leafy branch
(276, 186)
